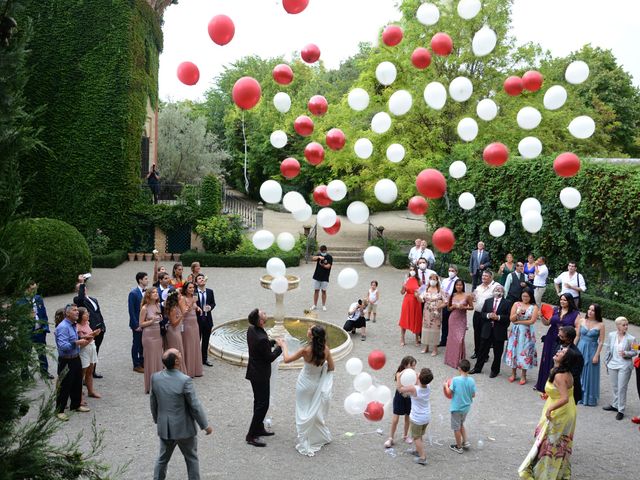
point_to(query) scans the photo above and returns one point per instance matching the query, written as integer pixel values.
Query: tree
(186, 151)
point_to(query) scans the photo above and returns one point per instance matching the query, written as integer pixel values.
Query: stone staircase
(345, 254)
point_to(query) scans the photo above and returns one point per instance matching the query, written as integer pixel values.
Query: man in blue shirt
(69, 364)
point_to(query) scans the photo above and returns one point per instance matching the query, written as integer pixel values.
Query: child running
(374, 298)
(462, 391)
(401, 404)
(420, 411)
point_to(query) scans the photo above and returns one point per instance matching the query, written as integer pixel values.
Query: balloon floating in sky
(441, 44)
(326, 217)
(513, 86)
(466, 200)
(263, 239)
(431, 183)
(570, 197)
(381, 122)
(555, 97)
(435, 95)
(484, 41)
(530, 203)
(358, 99)
(528, 118)
(336, 190)
(386, 191)
(443, 239)
(282, 102)
(428, 14)
(335, 139)
(318, 105)
(567, 164)
(221, 29)
(497, 228)
(303, 125)
(334, 229)
(458, 169)
(495, 154)
(487, 109)
(310, 53)
(582, 127)
(363, 148)
(467, 9)
(460, 89)
(392, 35)
(271, 191)
(314, 153)
(188, 73)
(532, 81)
(373, 257)
(418, 205)
(577, 72)
(290, 168)
(294, 6)
(421, 58)
(283, 74)
(467, 129)
(395, 153)
(400, 102)
(532, 221)
(386, 73)
(358, 212)
(246, 93)
(347, 279)
(320, 196)
(530, 147)
(278, 139)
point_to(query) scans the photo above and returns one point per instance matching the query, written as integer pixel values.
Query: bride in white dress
(313, 391)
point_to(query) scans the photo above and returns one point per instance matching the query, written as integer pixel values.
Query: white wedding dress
(313, 392)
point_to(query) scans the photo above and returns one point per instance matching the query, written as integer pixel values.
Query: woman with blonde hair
(619, 362)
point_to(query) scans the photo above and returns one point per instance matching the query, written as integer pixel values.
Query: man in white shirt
(423, 272)
(540, 280)
(414, 253)
(482, 292)
(427, 254)
(571, 282)
(447, 287)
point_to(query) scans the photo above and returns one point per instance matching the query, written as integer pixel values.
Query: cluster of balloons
(369, 399)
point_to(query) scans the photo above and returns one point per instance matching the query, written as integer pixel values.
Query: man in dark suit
(176, 410)
(40, 326)
(566, 336)
(261, 355)
(516, 283)
(135, 301)
(207, 302)
(495, 322)
(479, 261)
(95, 313)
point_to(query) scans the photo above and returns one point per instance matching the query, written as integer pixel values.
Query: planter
(148, 257)
(140, 256)
(132, 256)
(166, 257)
(176, 257)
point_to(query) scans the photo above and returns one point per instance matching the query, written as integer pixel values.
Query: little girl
(374, 298)
(401, 404)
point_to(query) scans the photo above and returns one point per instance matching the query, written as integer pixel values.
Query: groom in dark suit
(495, 322)
(207, 302)
(261, 355)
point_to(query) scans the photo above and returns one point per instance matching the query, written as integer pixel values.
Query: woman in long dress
(173, 338)
(459, 304)
(550, 456)
(313, 390)
(521, 344)
(191, 331)
(590, 339)
(150, 317)
(411, 311)
(434, 301)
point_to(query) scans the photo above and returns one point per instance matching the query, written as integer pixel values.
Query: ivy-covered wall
(93, 65)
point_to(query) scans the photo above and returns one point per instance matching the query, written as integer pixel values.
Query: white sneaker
(324, 309)
(313, 307)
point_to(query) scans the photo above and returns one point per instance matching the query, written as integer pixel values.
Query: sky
(263, 28)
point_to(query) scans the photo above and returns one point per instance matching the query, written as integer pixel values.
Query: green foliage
(210, 196)
(233, 260)
(247, 248)
(98, 243)
(220, 233)
(49, 251)
(109, 260)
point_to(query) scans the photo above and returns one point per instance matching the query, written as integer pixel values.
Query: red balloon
(314, 153)
(443, 239)
(374, 411)
(221, 29)
(513, 86)
(392, 35)
(444, 390)
(421, 58)
(303, 125)
(335, 139)
(566, 164)
(418, 205)
(246, 93)
(294, 6)
(377, 359)
(441, 44)
(546, 310)
(495, 154)
(290, 168)
(283, 74)
(532, 81)
(188, 73)
(320, 196)
(431, 183)
(335, 228)
(310, 53)
(318, 105)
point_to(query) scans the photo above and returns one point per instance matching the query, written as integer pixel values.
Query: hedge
(210, 196)
(109, 260)
(234, 260)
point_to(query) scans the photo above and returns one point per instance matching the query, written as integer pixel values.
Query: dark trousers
(205, 333)
(444, 333)
(476, 279)
(98, 342)
(483, 354)
(69, 383)
(136, 349)
(477, 329)
(260, 407)
(40, 345)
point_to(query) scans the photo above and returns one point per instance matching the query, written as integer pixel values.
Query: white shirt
(421, 406)
(424, 281)
(414, 254)
(482, 293)
(617, 361)
(447, 284)
(577, 280)
(373, 296)
(540, 279)
(426, 254)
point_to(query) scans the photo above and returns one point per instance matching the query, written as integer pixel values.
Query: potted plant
(140, 256)
(148, 257)
(132, 256)
(176, 257)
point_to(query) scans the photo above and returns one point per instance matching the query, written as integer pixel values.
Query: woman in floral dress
(521, 345)
(434, 301)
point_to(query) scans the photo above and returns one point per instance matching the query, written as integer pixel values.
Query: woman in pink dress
(191, 331)
(173, 338)
(459, 304)
(150, 318)
(411, 312)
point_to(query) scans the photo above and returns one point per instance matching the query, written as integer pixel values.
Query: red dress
(411, 313)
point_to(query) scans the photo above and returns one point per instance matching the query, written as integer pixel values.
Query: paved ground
(503, 415)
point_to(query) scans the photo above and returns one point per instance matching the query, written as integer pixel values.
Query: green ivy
(210, 196)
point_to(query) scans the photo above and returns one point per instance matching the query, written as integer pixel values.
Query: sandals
(522, 381)
(512, 379)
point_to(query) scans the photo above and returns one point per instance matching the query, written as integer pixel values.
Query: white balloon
(555, 97)
(400, 102)
(408, 377)
(467, 9)
(467, 201)
(270, 191)
(487, 109)
(363, 148)
(386, 191)
(395, 152)
(582, 127)
(577, 72)
(358, 212)
(386, 73)
(467, 129)
(484, 41)
(282, 102)
(458, 169)
(497, 228)
(369, 394)
(276, 267)
(428, 14)
(358, 99)
(303, 213)
(355, 404)
(286, 241)
(528, 118)
(373, 257)
(381, 122)
(348, 278)
(530, 147)
(435, 95)
(353, 366)
(263, 239)
(278, 139)
(460, 89)
(293, 201)
(528, 204)
(326, 217)
(336, 190)
(532, 221)
(382, 394)
(279, 285)
(570, 197)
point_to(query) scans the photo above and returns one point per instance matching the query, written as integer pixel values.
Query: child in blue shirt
(462, 390)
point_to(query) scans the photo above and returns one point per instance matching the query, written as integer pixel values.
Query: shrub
(49, 251)
(210, 196)
(98, 243)
(109, 260)
(220, 233)
(234, 260)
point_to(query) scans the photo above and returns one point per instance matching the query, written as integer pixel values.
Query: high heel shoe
(511, 379)
(523, 381)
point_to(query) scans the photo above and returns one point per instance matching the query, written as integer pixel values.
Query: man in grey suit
(479, 261)
(176, 409)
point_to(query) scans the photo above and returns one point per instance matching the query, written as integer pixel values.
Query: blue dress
(521, 345)
(590, 378)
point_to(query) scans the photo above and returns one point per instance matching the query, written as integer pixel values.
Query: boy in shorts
(420, 415)
(462, 391)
